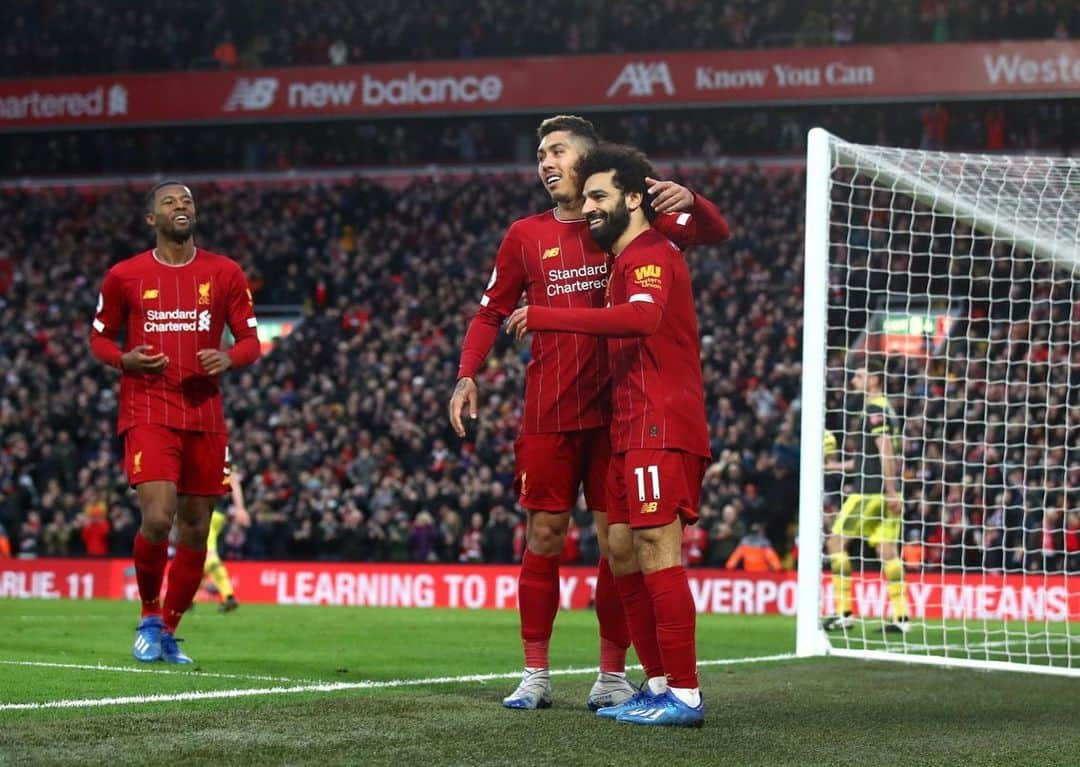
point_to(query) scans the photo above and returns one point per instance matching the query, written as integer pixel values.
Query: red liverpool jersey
(658, 398)
(556, 264)
(177, 310)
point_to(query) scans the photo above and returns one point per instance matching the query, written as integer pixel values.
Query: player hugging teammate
(581, 405)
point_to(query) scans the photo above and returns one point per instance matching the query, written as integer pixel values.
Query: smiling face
(606, 209)
(557, 158)
(172, 213)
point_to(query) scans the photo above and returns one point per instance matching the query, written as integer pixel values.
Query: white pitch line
(160, 671)
(336, 686)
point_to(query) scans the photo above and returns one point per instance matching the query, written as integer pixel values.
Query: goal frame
(822, 148)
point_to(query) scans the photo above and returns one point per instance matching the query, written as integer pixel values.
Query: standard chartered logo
(582, 279)
(177, 321)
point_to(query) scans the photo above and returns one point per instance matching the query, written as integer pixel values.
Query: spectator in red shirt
(95, 529)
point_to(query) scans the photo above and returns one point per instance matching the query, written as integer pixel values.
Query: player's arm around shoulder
(686, 217)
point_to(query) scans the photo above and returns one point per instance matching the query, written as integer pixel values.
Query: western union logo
(651, 271)
(150, 293)
(550, 253)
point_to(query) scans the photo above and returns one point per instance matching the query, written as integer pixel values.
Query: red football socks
(641, 621)
(614, 633)
(150, 561)
(538, 604)
(185, 577)
(675, 624)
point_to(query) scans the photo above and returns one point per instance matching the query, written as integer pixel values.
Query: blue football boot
(170, 653)
(147, 647)
(638, 700)
(665, 711)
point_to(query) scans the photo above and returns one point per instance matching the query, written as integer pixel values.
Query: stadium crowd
(55, 37)
(341, 436)
(341, 432)
(1045, 126)
(991, 444)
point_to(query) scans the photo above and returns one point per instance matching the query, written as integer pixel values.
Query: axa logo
(639, 78)
(550, 253)
(252, 94)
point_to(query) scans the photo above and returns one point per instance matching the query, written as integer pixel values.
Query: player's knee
(192, 533)
(840, 563)
(156, 525)
(546, 537)
(894, 570)
(622, 560)
(656, 550)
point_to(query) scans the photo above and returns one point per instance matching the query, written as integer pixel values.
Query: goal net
(940, 485)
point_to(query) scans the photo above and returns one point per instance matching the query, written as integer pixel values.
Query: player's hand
(241, 516)
(894, 504)
(518, 324)
(464, 396)
(214, 361)
(139, 360)
(669, 197)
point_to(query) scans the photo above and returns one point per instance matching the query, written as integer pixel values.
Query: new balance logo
(150, 294)
(550, 253)
(639, 77)
(252, 94)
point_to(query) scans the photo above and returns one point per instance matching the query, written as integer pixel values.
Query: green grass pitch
(825, 711)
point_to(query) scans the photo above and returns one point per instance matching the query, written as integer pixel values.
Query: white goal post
(939, 489)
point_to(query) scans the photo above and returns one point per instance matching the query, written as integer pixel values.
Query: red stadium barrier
(730, 592)
(701, 78)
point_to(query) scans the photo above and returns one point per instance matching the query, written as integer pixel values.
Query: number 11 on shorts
(654, 475)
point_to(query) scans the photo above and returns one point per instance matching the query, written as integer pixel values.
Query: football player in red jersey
(659, 433)
(563, 445)
(172, 303)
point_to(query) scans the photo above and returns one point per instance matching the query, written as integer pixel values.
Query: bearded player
(659, 434)
(563, 445)
(172, 304)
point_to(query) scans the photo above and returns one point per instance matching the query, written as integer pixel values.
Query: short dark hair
(874, 366)
(631, 168)
(149, 199)
(578, 126)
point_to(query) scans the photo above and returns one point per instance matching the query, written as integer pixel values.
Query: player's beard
(614, 225)
(169, 231)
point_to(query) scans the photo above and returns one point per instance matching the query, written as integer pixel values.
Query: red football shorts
(652, 488)
(196, 461)
(552, 468)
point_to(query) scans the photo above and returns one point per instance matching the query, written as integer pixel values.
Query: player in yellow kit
(214, 567)
(873, 509)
